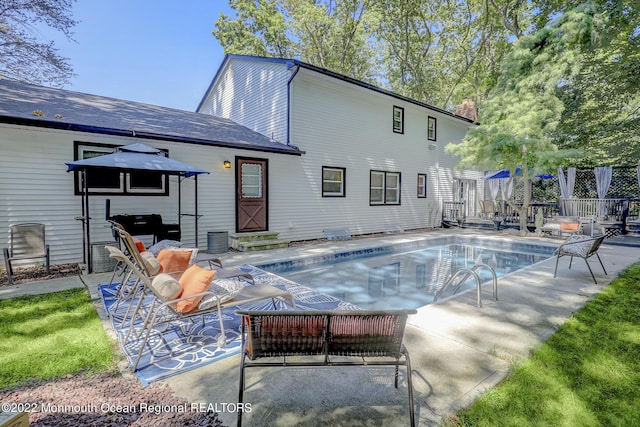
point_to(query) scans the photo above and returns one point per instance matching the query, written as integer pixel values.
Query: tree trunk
(526, 201)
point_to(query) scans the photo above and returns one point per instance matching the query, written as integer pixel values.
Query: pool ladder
(470, 272)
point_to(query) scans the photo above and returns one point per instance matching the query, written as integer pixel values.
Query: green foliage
(23, 56)
(259, 29)
(558, 78)
(49, 336)
(330, 34)
(586, 374)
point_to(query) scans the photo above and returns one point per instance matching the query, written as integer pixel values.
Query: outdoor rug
(191, 343)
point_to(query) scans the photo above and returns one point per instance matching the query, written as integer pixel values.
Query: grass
(586, 374)
(50, 336)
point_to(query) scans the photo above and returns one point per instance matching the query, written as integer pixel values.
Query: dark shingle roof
(297, 63)
(26, 104)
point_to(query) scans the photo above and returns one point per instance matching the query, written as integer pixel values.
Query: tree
(22, 55)
(259, 29)
(520, 120)
(442, 52)
(327, 33)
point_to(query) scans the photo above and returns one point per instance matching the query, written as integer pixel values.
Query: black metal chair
(582, 247)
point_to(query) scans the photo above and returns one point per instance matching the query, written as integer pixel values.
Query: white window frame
(341, 181)
(432, 128)
(422, 185)
(385, 189)
(398, 119)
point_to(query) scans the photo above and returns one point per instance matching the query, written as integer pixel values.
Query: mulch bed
(34, 274)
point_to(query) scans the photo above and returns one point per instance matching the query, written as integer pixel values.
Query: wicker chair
(374, 335)
(27, 242)
(583, 247)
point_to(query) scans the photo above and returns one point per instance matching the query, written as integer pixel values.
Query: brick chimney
(467, 109)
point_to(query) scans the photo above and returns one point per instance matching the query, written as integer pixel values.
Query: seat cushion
(224, 289)
(194, 281)
(577, 245)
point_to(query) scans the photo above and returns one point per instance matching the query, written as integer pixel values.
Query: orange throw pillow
(569, 226)
(194, 281)
(174, 261)
(139, 244)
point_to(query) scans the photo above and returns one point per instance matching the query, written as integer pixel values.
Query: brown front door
(251, 195)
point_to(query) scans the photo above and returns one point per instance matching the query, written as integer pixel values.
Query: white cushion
(151, 263)
(224, 289)
(166, 286)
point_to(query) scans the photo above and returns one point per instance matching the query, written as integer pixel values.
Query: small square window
(422, 185)
(431, 128)
(333, 181)
(398, 119)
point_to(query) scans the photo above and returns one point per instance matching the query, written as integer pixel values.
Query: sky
(159, 52)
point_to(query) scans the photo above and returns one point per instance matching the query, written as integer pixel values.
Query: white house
(306, 150)
(373, 159)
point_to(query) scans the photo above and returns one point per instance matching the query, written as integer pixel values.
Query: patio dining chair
(26, 242)
(583, 247)
(195, 293)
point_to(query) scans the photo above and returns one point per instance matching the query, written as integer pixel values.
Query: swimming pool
(402, 276)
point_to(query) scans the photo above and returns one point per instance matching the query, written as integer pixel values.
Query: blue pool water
(398, 277)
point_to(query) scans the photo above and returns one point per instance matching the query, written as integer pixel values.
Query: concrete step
(250, 237)
(260, 245)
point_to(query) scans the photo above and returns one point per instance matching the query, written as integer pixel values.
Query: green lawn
(586, 374)
(49, 336)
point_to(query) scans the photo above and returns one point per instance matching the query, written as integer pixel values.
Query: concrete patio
(457, 349)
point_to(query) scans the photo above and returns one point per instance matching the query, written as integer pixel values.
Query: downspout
(289, 102)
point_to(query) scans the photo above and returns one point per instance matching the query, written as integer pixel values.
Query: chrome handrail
(471, 272)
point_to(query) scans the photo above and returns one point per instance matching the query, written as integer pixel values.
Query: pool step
(258, 241)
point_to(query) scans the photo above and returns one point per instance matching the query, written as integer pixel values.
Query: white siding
(343, 125)
(35, 187)
(254, 96)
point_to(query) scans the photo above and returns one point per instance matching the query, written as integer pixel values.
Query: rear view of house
(373, 160)
(289, 148)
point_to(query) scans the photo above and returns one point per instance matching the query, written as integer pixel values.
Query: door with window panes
(464, 190)
(251, 195)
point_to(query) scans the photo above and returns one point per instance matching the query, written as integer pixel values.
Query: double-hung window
(333, 179)
(422, 185)
(384, 188)
(431, 128)
(398, 119)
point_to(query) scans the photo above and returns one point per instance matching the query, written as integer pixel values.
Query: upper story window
(114, 181)
(431, 128)
(384, 188)
(333, 181)
(398, 119)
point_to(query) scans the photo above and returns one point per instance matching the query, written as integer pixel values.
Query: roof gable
(296, 63)
(31, 105)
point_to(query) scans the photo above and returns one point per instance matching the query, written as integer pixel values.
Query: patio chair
(26, 242)
(150, 266)
(583, 247)
(169, 300)
(488, 208)
(325, 338)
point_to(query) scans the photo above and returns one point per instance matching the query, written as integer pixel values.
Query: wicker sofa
(341, 338)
